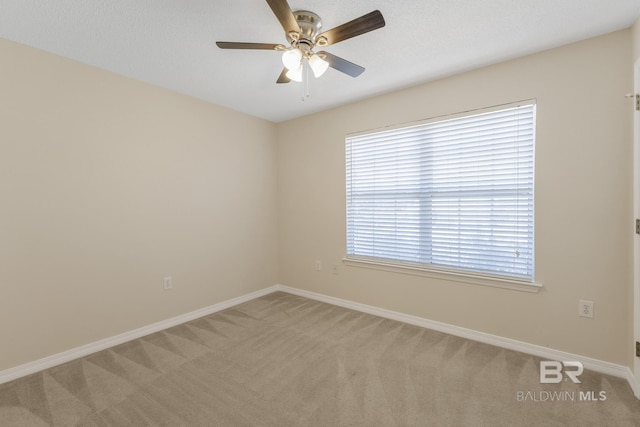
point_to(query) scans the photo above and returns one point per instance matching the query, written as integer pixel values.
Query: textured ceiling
(171, 43)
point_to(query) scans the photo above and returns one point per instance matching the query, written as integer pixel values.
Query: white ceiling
(171, 43)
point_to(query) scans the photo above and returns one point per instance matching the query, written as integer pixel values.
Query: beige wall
(635, 35)
(108, 185)
(583, 208)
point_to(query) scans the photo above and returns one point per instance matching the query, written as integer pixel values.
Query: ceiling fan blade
(342, 65)
(369, 22)
(283, 77)
(284, 14)
(237, 45)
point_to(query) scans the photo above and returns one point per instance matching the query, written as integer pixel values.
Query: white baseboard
(85, 350)
(510, 344)
(536, 350)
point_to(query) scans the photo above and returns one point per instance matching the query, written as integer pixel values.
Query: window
(453, 194)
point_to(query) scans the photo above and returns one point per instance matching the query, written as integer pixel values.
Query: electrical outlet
(167, 283)
(585, 309)
(318, 265)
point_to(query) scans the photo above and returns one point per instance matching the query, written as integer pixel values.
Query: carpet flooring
(283, 360)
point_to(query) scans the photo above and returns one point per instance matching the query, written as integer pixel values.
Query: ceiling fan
(302, 30)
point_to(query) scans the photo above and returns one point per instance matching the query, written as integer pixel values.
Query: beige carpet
(283, 360)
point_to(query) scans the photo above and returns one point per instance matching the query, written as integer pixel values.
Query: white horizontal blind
(455, 194)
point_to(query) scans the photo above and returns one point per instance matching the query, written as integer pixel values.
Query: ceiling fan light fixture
(295, 74)
(291, 58)
(318, 65)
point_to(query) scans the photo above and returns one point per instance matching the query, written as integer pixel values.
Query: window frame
(445, 272)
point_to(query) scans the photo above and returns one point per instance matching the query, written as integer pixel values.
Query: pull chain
(305, 82)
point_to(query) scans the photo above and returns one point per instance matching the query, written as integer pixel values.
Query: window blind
(453, 194)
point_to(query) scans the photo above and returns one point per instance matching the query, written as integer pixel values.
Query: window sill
(442, 274)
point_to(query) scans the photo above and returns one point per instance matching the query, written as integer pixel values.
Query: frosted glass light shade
(291, 58)
(318, 65)
(295, 74)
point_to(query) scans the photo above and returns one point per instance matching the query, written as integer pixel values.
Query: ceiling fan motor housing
(310, 25)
